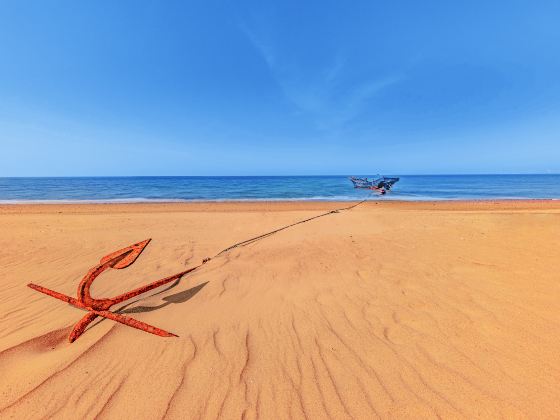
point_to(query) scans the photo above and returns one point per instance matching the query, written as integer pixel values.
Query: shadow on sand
(180, 297)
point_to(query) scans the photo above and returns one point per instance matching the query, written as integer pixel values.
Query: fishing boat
(381, 184)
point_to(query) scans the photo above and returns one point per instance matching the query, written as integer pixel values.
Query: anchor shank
(148, 287)
(80, 327)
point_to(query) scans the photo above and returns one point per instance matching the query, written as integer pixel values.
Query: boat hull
(382, 184)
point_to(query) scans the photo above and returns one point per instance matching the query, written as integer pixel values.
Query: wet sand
(390, 310)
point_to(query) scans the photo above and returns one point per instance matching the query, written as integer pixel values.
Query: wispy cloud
(326, 92)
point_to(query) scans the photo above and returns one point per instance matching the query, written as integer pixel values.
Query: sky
(118, 88)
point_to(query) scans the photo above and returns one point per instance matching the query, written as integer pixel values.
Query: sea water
(327, 188)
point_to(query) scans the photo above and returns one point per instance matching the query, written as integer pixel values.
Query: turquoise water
(146, 189)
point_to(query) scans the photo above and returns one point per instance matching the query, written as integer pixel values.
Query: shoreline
(228, 206)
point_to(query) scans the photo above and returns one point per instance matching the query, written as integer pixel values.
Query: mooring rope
(264, 235)
(246, 242)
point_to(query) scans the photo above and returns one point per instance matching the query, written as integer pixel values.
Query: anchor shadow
(180, 297)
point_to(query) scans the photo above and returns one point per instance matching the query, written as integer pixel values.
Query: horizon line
(278, 176)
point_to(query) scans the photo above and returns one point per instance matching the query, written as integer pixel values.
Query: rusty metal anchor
(100, 307)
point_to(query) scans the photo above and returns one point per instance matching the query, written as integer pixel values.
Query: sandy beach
(387, 310)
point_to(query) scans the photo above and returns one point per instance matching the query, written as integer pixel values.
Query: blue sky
(286, 87)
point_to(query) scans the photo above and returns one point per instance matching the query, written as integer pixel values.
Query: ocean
(326, 188)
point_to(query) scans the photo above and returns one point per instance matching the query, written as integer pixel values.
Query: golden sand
(390, 310)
